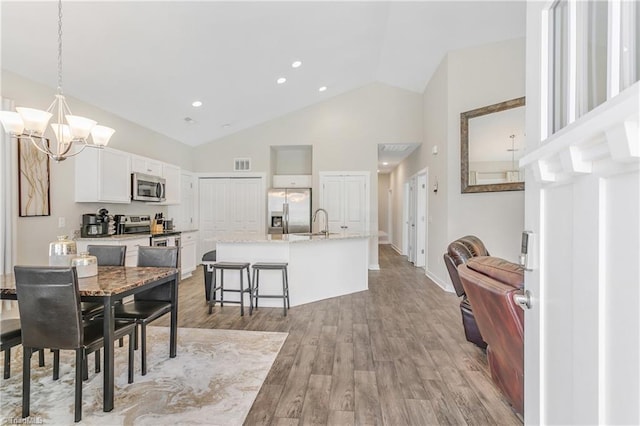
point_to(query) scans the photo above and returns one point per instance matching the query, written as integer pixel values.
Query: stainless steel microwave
(147, 187)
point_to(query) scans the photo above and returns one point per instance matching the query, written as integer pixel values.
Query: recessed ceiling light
(322, 89)
(196, 104)
(385, 163)
(296, 64)
(226, 125)
(189, 120)
(281, 80)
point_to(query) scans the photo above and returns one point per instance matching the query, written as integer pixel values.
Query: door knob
(523, 299)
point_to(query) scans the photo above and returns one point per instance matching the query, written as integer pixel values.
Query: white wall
(465, 79)
(35, 233)
(383, 202)
(344, 131)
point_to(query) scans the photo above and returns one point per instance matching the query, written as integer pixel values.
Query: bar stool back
(271, 266)
(232, 266)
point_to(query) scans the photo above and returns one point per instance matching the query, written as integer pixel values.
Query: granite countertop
(288, 238)
(109, 281)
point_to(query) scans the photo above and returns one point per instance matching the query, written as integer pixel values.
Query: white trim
(546, 117)
(572, 50)
(374, 267)
(230, 175)
(443, 285)
(397, 249)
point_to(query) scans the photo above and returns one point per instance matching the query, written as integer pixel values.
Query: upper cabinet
(292, 181)
(291, 166)
(146, 165)
(171, 174)
(103, 175)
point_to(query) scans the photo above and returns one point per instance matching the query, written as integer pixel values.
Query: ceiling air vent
(395, 147)
(241, 164)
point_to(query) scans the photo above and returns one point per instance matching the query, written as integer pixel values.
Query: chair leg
(135, 337)
(251, 295)
(131, 337)
(212, 291)
(56, 364)
(81, 360)
(250, 292)
(85, 368)
(7, 363)
(221, 287)
(26, 381)
(121, 342)
(286, 277)
(41, 358)
(143, 344)
(98, 361)
(284, 292)
(241, 296)
(256, 283)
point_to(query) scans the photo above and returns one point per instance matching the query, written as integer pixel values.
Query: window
(593, 55)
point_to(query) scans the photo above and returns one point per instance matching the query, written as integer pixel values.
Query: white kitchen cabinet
(345, 197)
(188, 259)
(184, 214)
(171, 174)
(292, 181)
(102, 175)
(132, 244)
(146, 165)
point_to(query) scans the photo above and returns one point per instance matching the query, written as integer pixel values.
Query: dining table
(109, 286)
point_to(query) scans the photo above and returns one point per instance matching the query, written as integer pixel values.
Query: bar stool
(269, 266)
(230, 266)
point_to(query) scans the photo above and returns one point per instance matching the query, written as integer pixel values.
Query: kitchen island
(320, 266)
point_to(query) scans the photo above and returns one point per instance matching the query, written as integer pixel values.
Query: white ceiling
(147, 61)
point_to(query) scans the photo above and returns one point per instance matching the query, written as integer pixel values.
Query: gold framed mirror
(491, 143)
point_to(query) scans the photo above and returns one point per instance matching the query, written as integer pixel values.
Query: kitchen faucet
(326, 220)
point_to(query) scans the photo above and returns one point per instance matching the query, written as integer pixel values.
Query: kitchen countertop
(115, 237)
(288, 238)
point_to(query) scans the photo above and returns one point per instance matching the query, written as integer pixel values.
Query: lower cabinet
(132, 246)
(188, 259)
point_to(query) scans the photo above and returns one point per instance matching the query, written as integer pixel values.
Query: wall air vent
(241, 164)
(395, 147)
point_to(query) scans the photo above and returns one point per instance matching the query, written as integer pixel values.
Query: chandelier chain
(59, 46)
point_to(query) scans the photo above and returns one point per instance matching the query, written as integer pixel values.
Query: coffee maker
(94, 225)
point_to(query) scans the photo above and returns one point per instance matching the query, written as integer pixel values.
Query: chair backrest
(459, 252)
(108, 255)
(49, 304)
(158, 257)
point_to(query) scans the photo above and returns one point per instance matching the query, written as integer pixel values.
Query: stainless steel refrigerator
(289, 210)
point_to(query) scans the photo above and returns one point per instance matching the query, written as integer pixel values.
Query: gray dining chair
(150, 305)
(10, 336)
(50, 317)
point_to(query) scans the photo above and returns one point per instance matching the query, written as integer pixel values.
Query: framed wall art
(33, 180)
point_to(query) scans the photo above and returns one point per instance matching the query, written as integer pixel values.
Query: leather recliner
(459, 252)
(490, 283)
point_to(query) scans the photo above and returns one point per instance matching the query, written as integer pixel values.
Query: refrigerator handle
(285, 219)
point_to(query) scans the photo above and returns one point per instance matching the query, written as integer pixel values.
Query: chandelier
(71, 131)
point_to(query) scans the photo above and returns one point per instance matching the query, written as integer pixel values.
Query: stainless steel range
(132, 224)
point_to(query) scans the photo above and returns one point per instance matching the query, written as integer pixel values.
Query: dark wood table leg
(173, 338)
(108, 353)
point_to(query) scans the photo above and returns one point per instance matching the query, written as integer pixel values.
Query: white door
(332, 200)
(412, 220)
(355, 207)
(582, 332)
(212, 212)
(244, 213)
(421, 222)
(345, 198)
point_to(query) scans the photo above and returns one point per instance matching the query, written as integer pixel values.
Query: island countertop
(289, 238)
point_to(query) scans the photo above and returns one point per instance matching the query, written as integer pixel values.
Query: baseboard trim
(443, 285)
(393, 246)
(374, 267)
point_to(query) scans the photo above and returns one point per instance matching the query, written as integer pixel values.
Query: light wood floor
(393, 355)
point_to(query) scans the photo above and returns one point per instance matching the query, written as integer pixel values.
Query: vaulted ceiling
(147, 61)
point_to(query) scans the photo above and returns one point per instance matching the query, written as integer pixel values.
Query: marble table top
(110, 280)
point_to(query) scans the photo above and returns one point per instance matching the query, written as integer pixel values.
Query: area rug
(213, 381)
